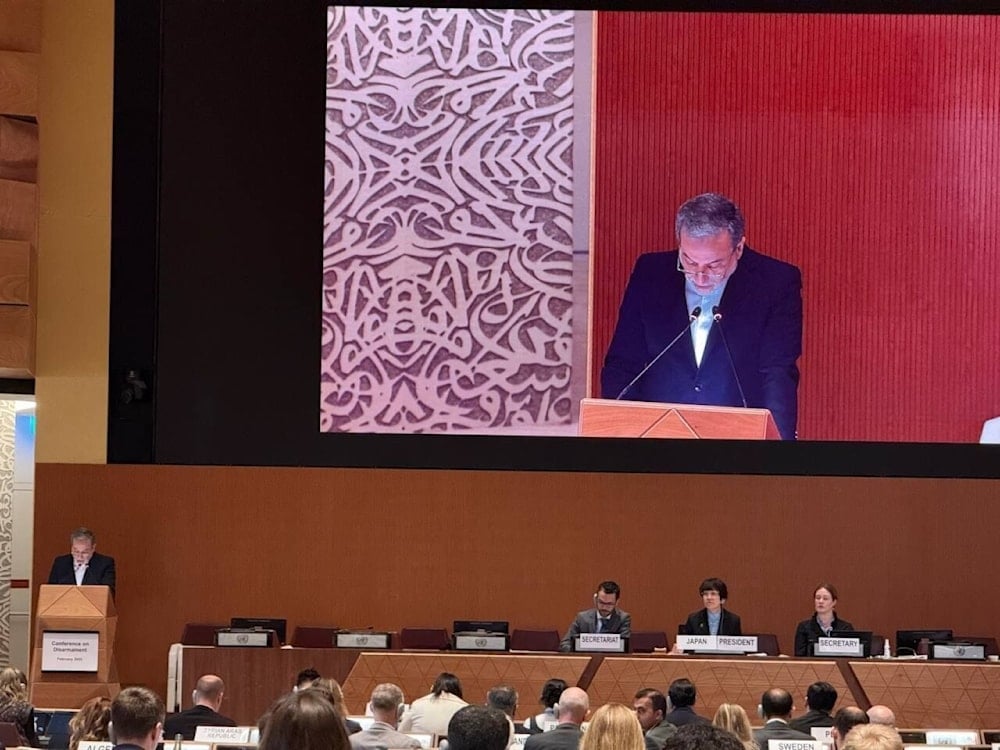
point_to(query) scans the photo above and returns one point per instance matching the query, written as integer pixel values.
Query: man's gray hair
(708, 214)
(502, 697)
(387, 697)
(82, 533)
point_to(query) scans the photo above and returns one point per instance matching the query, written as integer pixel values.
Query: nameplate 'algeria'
(838, 647)
(480, 642)
(362, 640)
(600, 642)
(217, 735)
(94, 745)
(793, 745)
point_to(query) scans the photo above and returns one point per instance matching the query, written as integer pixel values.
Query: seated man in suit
(386, 704)
(776, 709)
(571, 710)
(83, 566)
(504, 698)
(605, 617)
(136, 719)
(207, 697)
(820, 699)
(681, 696)
(478, 728)
(650, 709)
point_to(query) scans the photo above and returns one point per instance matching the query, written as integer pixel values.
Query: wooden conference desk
(938, 694)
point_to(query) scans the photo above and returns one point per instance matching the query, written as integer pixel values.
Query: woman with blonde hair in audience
(90, 723)
(14, 706)
(331, 687)
(613, 727)
(305, 720)
(733, 718)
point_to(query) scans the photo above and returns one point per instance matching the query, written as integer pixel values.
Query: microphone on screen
(692, 317)
(717, 317)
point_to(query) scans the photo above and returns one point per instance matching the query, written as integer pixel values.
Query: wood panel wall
(389, 548)
(20, 43)
(864, 149)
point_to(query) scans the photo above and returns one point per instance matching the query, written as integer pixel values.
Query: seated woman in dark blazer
(713, 619)
(823, 623)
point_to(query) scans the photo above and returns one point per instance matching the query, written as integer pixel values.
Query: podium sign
(72, 651)
(839, 647)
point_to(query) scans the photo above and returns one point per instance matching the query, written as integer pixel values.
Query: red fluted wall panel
(863, 148)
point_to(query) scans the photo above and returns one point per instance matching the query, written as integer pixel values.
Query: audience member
(733, 718)
(137, 719)
(650, 709)
(504, 698)
(478, 728)
(207, 697)
(879, 714)
(14, 705)
(304, 720)
(681, 696)
(90, 723)
(605, 617)
(820, 700)
(613, 727)
(703, 737)
(572, 709)
(776, 709)
(872, 737)
(844, 721)
(305, 678)
(551, 691)
(331, 689)
(431, 713)
(386, 702)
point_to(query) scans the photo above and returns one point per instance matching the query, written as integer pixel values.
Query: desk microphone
(717, 317)
(178, 738)
(692, 317)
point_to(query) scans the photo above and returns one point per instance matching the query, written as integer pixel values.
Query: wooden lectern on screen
(600, 417)
(73, 657)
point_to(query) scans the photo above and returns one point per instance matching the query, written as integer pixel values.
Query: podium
(601, 417)
(89, 611)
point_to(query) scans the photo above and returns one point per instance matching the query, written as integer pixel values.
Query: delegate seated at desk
(823, 623)
(605, 617)
(741, 349)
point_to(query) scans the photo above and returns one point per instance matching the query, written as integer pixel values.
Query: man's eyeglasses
(714, 271)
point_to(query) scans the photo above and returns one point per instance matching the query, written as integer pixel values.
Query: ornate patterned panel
(447, 248)
(6, 522)
(415, 674)
(718, 681)
(940, 696)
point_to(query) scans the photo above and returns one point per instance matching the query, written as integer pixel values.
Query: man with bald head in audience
(571, 710)
(207, 697)
(844, 721)
(883, 715)
(776, 709)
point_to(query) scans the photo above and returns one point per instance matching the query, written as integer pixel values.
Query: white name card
(69, 651)
(793, 745)
(425, 740)
(718, 644)
(221, 735)
(952, 737)
(600, 642)
(520, 739)
(253, 638)
(480, 642)
(822, 734)
(362, 640)
(549, 725)
(838, 647)
(95, 745)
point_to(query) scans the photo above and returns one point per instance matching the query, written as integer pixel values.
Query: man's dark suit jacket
(565, 736)
(762, 323)
(685, 715)
(186, 722)
(809, 631)
(100, 571)
(697, 623)
(811, 719)
(776, 729)
(586, 622)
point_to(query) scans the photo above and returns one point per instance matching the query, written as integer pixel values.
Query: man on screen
(742, 346)
(83, 566)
